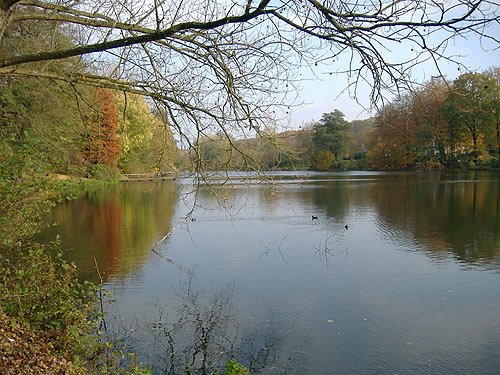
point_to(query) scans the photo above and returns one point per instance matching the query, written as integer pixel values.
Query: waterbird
(346, 227)
(314, 217)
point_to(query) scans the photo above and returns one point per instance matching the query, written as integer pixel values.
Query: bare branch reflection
(332, 243)
(278, 249)
(197, 333)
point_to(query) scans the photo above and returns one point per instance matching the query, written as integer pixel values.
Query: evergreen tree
(331, 134)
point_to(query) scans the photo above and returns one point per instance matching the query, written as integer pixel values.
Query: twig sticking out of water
(167, 235)
(164, 238)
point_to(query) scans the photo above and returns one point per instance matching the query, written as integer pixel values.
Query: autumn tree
(495, 74)
(441, 124)
(323, 160)
(103, 144)
(435, 140)
(227, 66)
(394, 136)
(359, 137)
(269, 150)
(146, 141)
(471, 108)
(304, 145)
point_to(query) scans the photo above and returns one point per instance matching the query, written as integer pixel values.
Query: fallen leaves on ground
(23, 351)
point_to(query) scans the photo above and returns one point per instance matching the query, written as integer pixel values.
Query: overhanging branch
(133, 40)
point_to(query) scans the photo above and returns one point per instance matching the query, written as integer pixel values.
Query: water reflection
(440, 213)
(462, 218)
(390, 294)
(117, 225)
(198, 332)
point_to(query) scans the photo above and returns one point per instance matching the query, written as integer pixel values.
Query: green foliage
(323, 160)
(495, 163)
(234, 368)
(21, 181)
(44, 118)
(331, 134)
(146, 141)
(41, 291)
(37, 287)
(102, 172)
(69, 189)
(345, 165)
(116, 359)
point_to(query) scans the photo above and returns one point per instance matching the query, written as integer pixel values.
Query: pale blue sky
(319, 95)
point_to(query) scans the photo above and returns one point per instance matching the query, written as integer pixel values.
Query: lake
(399, 273)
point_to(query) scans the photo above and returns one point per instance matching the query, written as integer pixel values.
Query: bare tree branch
(226, 66)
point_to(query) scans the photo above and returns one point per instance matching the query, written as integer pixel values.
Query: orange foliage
(103, 143)
(394, 136)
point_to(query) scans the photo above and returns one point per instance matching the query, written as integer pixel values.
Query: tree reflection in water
(198, 334)
(333, 242)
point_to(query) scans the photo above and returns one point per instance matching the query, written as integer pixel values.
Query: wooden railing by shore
(148, 176)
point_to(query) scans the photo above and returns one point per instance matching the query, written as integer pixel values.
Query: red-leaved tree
(103, 146)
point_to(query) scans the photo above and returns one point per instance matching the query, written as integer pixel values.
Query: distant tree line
(441, 125)
(78, 129)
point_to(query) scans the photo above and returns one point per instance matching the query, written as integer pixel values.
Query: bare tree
(229, 66)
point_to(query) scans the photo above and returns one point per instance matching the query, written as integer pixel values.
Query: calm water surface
(411, 287)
